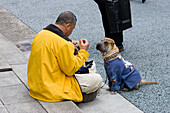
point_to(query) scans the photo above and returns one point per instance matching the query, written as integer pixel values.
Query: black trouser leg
(118, 38)
(102, 9)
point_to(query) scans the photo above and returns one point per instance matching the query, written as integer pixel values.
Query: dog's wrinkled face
(106, 45)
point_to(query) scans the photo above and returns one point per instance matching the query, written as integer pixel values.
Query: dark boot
(120, 46)
(118, 38)
(143, 1)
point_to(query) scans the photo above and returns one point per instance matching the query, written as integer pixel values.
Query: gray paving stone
(13, 29)
(26, 107)
(8, 79)
(4, 66)
(14, 94)
(21, 72)
(24, 46)
(15, 58)
(8, 18)
(107, 103)
(27, 54)
(61, 107)
(1, 105)
(3, 110)
(16, 35)
(3, 10)
(10, 52)
(6, 46)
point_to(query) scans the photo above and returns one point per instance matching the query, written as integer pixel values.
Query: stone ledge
(105, 102)
(4, 66)
(14, 29)
(61, 107)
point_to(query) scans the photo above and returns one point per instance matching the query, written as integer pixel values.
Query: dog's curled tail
(148, 82)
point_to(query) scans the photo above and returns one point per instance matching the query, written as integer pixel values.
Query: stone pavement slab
(14, 94)
(26, 107)
(15, 58)
(108, 103)
(8, 79)
(61, 107)
(4, 66)
(1, 105)
(6, 46)
(3, 110)
(10, 52)
(21, 71)
(14, 29)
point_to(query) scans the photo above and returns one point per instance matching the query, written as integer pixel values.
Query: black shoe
(121, 48)
(143, 1)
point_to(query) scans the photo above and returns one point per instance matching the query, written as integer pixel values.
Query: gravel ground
(146, 43)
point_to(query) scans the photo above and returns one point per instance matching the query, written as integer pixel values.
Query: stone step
(10, 52)
(105, 102)
(4, 66)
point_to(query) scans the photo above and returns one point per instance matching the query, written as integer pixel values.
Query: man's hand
(76, 43)
(84, 44)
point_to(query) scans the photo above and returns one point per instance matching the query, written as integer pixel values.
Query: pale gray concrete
(3, 110)
(26, 107)
(15, 58)
(61, 107)
(11, 53)
(4, 65)
(7, 46)
(1, 105)
(14, 94)
(105, 102)
(8, 79)
(14, 29)
(21, 71)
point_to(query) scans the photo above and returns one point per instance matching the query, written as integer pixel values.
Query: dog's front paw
(125, 89)
(108, 89)
(113, 93)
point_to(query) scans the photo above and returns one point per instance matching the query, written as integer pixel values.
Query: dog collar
(110, 57)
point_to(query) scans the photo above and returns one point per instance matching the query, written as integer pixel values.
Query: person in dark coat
(116, 18)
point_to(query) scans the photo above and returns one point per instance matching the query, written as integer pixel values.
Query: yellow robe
(51, 68)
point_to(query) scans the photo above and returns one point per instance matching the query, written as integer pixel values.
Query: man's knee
(89, 82)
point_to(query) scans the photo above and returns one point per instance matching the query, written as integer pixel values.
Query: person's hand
(84, 44)
(76, 43)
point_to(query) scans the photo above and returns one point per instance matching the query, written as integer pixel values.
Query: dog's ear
(112, 44)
